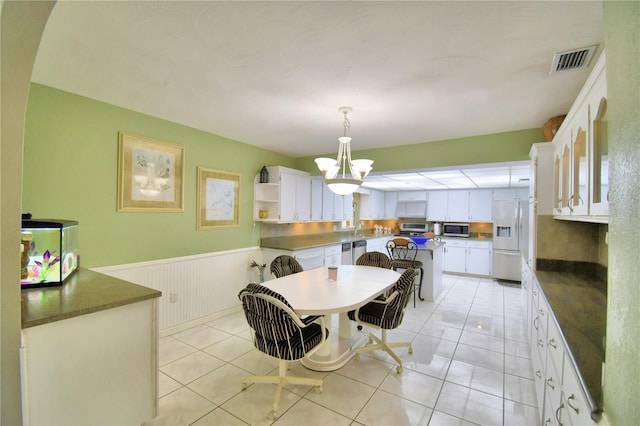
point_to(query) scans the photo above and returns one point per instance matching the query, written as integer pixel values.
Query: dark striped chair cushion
(406, 264)
(294, 348)
(275, 331)
(374, 258)
(388, 315)
(285, 265)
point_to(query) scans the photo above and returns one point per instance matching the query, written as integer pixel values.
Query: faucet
(357, 228)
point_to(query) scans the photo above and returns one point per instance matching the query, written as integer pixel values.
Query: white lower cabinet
(479, 257)
(553, 400)
(308, 258)
(576, 408)
(467, 257)
(561, 400)
(379, 244)
(333, 255)
(98, 368)
(455, 256)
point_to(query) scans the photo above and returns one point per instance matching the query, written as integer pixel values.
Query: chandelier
(335, 171)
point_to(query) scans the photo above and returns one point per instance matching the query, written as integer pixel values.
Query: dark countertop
(301, 242)
(579, 304)
(83, 293)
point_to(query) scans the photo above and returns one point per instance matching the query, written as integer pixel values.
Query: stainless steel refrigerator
(510, 232)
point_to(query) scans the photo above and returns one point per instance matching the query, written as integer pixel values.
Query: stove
(412, 229)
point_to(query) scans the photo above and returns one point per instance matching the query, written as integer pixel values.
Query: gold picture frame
(218, 199)
(150, 175)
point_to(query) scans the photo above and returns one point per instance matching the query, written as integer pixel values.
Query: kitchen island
(89, 352)
(430, 253)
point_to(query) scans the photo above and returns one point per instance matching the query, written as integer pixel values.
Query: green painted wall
(70, 172)
(622, 378)
(499, 147)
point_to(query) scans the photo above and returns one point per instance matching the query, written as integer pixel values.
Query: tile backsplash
(573, 241)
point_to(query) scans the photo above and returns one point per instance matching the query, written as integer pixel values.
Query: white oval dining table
(312, 293)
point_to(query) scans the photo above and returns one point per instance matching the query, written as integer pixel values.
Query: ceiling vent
(572, 59)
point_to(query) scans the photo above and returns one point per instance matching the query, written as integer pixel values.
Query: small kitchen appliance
(412, 229)
(455, 230)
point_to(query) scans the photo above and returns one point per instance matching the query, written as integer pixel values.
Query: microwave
(455, 230)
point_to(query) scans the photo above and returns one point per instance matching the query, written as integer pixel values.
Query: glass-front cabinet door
(600, 190)
(579, 198)
(565, 178)
(557, 184)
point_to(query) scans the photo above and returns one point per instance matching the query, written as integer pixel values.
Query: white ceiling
(273, 74)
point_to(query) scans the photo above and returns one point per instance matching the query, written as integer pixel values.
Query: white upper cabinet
(372, 205)
(481, 205)
(390, 204)
(412, 204)
(285, 198)
(412, 196)
(579, 198)
(458, 206)
(511, 193)
(346, 209)
(437, 206)
(295, 196)
(336, 208)
(599, 197)
(580, 164)
(316, 198)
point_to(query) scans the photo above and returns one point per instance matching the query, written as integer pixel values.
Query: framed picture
(150, 175)
(218, 199)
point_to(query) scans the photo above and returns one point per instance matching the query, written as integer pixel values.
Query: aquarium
(49, 251)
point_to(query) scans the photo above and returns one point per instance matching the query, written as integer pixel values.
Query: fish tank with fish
(49, 251)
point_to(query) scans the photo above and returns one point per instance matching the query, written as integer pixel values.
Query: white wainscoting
(193, 287)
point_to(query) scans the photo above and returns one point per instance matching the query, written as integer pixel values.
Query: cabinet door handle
(552, 343)
(534, 322)
(573, 397)
(538, 374)
(550, 383)
(541, 312)
(540, 343)
(558, 414)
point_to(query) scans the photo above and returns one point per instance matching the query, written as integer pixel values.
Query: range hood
(412, 209)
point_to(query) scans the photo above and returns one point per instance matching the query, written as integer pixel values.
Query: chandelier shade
(335, 171)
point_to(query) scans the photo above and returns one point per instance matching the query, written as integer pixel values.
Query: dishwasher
(346, 254)
(359, 248)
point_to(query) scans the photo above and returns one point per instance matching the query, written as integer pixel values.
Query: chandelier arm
(349, 158)
(345, 184)
(340, 159)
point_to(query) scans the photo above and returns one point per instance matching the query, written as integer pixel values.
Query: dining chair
(280, 333)
(374, 258)
(386, 314)
(284, 265)
(403, 254)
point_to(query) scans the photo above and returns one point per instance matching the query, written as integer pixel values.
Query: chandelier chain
(347, 124)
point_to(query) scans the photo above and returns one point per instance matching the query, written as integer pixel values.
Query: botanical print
(220, 199)
(153, 175)
(150, 175)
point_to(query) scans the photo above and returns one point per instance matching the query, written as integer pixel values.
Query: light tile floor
(470, 365)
